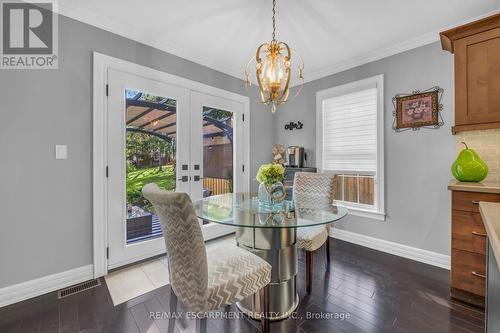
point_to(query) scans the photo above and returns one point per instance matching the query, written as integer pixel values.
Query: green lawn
(136, 180)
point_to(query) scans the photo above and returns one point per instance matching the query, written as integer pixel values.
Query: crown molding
(385, 52)
(126, 31)
(370, 57)
(106, 24)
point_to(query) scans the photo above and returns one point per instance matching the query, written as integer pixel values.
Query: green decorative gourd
(469, 167)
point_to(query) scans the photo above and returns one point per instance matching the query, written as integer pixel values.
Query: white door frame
(120, 251)
(101, 64)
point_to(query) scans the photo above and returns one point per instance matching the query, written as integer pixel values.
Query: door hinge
(107, 90)
(107, 171)
(107, 252)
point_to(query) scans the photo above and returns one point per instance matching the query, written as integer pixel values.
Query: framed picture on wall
(418, 109)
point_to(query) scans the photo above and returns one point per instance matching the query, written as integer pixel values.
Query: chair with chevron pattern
(204, 279)
(313, 190)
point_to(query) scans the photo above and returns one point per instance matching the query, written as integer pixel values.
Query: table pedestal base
(278, 248)
(251, 307)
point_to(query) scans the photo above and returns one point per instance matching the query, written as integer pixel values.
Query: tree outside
(149, 160)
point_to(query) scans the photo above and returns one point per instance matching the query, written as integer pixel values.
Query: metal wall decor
(294, 125)
(420, 109)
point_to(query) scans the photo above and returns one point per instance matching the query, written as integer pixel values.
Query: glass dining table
(268, 231)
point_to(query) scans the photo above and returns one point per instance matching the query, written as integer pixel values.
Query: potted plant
(270, 177)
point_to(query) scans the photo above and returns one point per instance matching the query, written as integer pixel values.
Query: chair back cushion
(314, 190)
(185, 245)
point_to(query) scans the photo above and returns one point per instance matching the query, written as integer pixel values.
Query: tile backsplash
(486, 143)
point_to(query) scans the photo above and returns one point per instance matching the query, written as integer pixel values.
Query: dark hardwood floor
(379, 292)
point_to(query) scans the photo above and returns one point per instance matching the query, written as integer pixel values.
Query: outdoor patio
(151, 156)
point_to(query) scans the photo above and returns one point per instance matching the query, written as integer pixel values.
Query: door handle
(475, 202)
(197, 178)
(475, 233)
(184, 179)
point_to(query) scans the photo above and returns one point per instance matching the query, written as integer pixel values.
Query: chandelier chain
(274, 21)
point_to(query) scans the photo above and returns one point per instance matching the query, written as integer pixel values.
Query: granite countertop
(490, 213)
(486, 187)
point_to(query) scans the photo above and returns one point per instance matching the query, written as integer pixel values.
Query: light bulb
(274, 70)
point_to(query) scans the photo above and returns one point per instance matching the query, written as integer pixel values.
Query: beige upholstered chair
(202, 279)
(313, 190)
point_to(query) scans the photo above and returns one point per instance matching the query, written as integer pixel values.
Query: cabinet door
(467, 232)
(477, 78)
(468, 271)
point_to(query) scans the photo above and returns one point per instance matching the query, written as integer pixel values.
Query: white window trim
(379, 212)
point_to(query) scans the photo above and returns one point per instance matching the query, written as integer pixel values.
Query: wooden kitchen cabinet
(468, 243)
(477, 73)
(465, 226)
(468, 273)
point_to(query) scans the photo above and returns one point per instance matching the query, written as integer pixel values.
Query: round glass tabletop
(245, 210)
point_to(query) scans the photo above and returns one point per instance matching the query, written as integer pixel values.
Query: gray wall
(46, 204)
(417, 164)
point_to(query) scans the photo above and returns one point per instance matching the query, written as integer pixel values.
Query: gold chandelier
(273, 62)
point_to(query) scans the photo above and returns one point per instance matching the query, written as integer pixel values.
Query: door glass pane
(351, 188)
(367, 190)
(217, 151)
(149, 157)
(339, 188)
(355, 188)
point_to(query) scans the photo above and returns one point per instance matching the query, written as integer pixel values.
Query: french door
(181, 140)
(216, 151)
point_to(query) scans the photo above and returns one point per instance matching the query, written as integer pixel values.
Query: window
(349, 143)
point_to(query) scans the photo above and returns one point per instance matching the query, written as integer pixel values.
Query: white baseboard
(19, 292)
(46, 284)
(401, 250)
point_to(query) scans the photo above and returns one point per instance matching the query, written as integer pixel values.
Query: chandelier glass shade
(273, 70)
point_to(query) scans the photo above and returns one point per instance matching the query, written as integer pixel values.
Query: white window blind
(350, 132)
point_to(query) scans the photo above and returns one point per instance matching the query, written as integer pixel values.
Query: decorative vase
(264, 196)
(469, 167)
(271, 194)
(270, 218)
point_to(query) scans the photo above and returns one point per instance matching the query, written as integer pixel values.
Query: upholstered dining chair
(204, 279)
(313, 190)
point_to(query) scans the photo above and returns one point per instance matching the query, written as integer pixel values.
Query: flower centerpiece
(270, 177)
